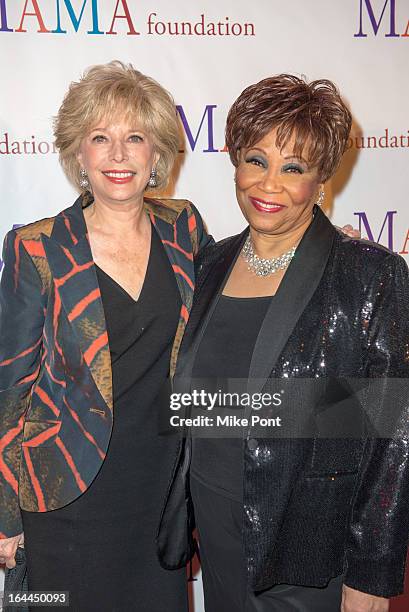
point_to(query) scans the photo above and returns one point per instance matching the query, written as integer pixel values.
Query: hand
(356, 601)
(8, 547)
(350, 231)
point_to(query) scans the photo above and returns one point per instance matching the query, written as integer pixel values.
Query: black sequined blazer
(316, 507)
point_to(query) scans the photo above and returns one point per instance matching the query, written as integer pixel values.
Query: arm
(21, 326)
(379, 521)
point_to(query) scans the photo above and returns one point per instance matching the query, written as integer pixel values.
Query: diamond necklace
(265, 267)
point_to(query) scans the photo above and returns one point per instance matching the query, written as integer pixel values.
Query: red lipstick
(119, 177)
(266, 207)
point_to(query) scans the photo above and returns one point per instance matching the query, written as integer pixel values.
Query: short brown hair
(108, 90)
(312, 112)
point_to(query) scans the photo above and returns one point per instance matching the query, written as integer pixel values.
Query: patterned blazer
(56, 408)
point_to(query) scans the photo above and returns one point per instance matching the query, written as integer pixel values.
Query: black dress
(225, 352)
(216, 479)
(101, 547)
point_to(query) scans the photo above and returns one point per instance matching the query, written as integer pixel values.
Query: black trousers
(219, 523)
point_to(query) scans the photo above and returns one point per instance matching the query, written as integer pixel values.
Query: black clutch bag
(16, 579)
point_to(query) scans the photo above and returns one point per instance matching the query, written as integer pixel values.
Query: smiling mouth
(119, 174)
(119, 177)
(268, 207)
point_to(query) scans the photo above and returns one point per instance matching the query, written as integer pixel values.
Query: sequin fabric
(316, 508)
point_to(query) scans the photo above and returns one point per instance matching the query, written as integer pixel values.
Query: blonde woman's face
(118, 158)
(276, 190)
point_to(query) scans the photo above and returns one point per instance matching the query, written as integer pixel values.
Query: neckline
(119, 286)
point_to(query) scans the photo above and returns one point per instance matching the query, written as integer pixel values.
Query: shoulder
(168, 209)
(184, 216)
(364, 258)
(25, 243)
(33, 231)
(176, 205)
(29, 236)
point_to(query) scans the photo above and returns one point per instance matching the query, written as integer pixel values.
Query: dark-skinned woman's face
(276, 190)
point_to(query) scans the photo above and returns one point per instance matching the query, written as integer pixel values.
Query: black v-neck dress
(101, 547)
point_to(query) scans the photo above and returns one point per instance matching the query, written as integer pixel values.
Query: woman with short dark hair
(314, 519)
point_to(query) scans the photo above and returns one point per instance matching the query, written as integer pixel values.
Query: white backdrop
(362, 45)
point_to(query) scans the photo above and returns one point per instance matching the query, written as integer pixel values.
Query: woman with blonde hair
(93, 304)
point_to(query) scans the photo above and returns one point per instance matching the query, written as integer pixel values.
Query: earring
(153, 181)
(320, 200)
(84, 182)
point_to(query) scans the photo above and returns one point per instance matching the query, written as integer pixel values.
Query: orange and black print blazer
(55, 370)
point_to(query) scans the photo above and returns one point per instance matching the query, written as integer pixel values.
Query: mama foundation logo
(381, 17)
(61, 17)
(386, 234)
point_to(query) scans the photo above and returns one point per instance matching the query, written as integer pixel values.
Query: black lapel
(295, 291)
(213, 270)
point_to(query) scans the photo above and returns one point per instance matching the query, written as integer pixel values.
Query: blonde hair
(104, 91)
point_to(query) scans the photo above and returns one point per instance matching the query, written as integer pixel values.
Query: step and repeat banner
(205, 53)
